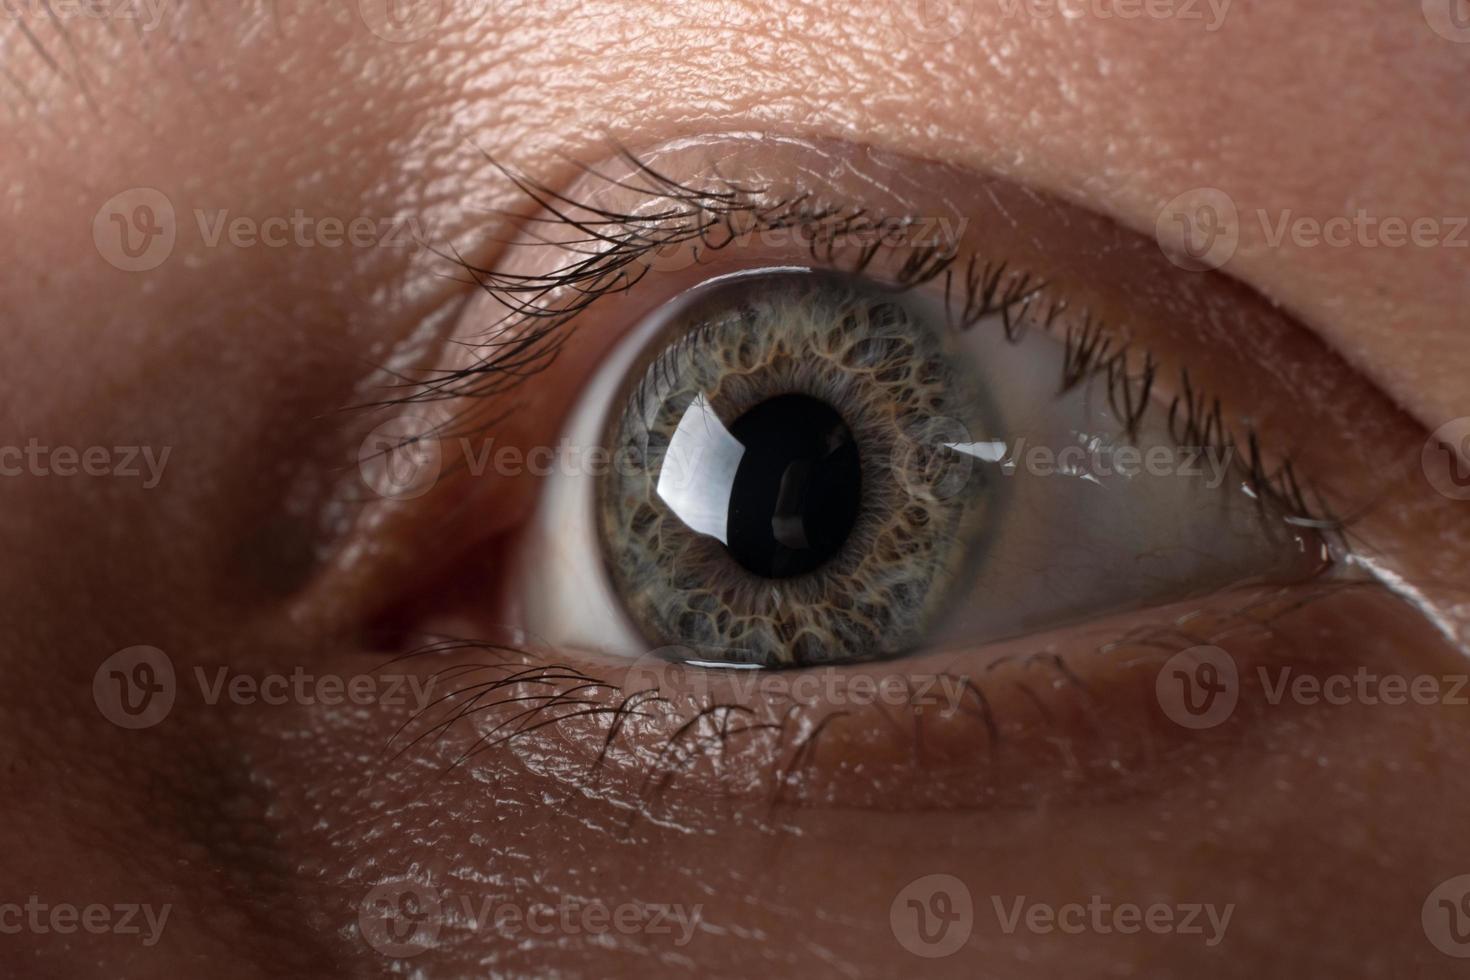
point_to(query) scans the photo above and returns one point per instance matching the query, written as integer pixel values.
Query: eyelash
(710, 727)
(972, 291)
(608, 261)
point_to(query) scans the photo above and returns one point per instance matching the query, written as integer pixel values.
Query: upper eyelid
(541, 307)
(602, 272)
(642, 233)
(599, 273)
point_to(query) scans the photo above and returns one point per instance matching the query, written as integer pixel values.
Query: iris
(776, 510)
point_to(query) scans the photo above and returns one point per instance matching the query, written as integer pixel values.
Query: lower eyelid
(1059, 720)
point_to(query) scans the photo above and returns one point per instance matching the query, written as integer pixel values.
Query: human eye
(903, 428)
(802, 468)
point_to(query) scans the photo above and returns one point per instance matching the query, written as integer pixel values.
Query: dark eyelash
(610, 259)
(520, 693)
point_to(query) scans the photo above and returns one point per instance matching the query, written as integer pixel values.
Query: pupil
(797, 489)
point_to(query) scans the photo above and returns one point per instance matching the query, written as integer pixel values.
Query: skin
(266, 827)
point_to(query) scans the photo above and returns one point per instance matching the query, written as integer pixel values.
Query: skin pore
(265, 826)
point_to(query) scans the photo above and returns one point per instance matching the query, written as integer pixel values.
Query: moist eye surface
(770, 507)
(859, 452)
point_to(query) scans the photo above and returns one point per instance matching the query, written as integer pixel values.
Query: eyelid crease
(541, 309)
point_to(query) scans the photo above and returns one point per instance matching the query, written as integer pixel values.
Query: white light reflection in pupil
(699, 471)
(780, 487)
